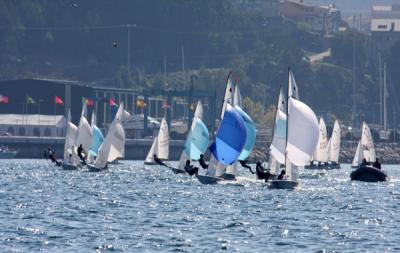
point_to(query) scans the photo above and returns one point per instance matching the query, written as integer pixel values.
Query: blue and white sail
(225, 148)
(216, 168)
(197, 140)
(97, 137)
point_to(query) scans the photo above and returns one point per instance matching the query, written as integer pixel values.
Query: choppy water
(135, 209)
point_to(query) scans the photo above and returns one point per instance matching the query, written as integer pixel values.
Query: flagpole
(55, 110)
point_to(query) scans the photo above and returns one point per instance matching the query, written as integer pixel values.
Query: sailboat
(160, 146)
(225, 150)
(334, 147)
(113, 146)
(231, 170)
(321, 154)
(302, 133)
(366, 150)
(83, 137)
(97, 140)
(278, 144)
(70, 137)
(197, 140)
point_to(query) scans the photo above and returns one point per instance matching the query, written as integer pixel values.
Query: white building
(32, 125)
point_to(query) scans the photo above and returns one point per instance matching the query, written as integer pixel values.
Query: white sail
(334, 143)
(232, 169)
(303, 132)
(367, 144)
(292, 171)
(84, 135)
(199, 110)
(228, 97)
(321, 152)
(163, 141)
(237, 97)
(358, 155)
(278, 144)
(279, 137)
(152, 151)
(84, 110)
(293, 89)
(70, 137)
(113, 146)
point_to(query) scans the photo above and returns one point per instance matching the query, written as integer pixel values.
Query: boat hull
(229, 177)
(368, 174)
(178, 171)
(207, 179)
(283, 184)
(8, 155)
(68, 166)
(92, 168)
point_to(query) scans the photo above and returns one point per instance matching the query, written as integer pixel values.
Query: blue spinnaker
(97, 140)
(197, 141)
(230, 137)
(250, 133)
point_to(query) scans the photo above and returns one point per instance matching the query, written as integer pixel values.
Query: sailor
(260, 170)
(158, 161)
(364, 162)
(377, 164)
(50, 153)
(245, 165)
(190, 169)
(202, 162)
(82, 154)
(281, 176)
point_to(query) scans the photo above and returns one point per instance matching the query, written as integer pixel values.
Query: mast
(384, 98)
(287, 117)
(380, 91)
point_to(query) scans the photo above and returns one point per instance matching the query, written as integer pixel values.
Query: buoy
(115, 44)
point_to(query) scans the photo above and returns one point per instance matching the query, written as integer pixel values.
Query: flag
(3, 99)
(165, 105)
(89, 102)
(30, 100)
(58, 100)
(112, 102)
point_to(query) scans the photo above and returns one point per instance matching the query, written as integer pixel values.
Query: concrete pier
(33, 147)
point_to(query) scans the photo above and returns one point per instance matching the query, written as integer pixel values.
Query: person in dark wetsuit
(281, 176)
(260, 170)
(245, 165)
(50, 154)
(190, 169)
(377, 164)
(81, 153)
(364, 162)
(158, 161)
(202, 162)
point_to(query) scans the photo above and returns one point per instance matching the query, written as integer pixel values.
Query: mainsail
(334, 144)
(367, 144)
(160, 146)
(321, 152)
(70, 137)
(114, 142)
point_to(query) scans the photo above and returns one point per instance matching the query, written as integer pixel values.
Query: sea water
(133, 208)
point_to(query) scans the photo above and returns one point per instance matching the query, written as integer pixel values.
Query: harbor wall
(33, 147)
